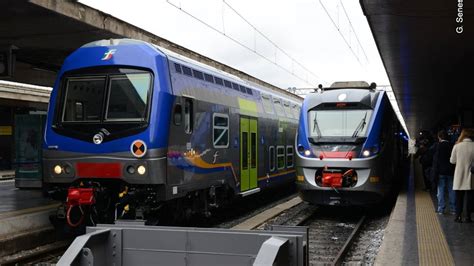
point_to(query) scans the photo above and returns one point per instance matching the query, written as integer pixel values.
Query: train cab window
(128, 97)
(289, 156)
(186, 70)
(89, 92)
(177, 67)
(228, 84)
(288, 111)
(209, 78)
(267, 104)
(188, 116)
(198, 74)
(219, 81)
(280, 157)
(220, 130)
(278, 107)
(271, 158)
(178, 115)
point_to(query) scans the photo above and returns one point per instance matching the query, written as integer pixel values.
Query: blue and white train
(350, 146)
(137, 131)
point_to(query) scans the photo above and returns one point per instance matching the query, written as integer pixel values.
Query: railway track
(331, 239)
(331, 233)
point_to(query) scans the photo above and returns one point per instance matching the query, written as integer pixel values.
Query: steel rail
(342, 253)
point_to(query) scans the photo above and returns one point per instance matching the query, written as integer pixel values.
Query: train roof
(264, 87)
(270, 89)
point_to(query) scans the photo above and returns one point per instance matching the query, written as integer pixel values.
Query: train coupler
(77, 200)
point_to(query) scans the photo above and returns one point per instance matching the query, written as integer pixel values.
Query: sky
(288, 43)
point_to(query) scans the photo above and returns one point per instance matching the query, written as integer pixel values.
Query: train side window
(220, 130)
(235, 86)
(219, 81)
(278, 107)
(271, 159)
(227, 84)
(198, 74)
(188, 116)
(208, 78)
(296, 111)
(242, 89)
(280, 157)
(267, 104)
(177, 67)
(289, 156)
(249, 91)
(288, 111)
(186, 70)
(178, 115)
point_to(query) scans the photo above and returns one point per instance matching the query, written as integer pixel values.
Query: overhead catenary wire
(340, 33)
(305, 80)
(293, 60)
(353, 30)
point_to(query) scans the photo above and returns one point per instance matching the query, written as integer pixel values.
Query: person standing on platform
(463, 156)
(425, 153)
(443, 173)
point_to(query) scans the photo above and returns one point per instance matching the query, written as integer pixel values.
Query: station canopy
(43, 32)
(427, 61)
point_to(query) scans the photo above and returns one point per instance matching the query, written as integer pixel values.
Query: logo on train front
(108, 55)
(138, 148)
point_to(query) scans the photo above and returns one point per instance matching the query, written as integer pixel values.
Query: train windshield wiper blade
(316, 126)
(360, 126)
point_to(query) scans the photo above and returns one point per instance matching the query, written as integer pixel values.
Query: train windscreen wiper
(360, 126)
(316, 126)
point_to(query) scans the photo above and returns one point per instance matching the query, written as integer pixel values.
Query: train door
(248, 153)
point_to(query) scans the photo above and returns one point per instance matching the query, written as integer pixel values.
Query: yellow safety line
(433, 248)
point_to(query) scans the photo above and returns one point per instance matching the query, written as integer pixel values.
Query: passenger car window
(280, 157)
(289, 156)
(220, 130)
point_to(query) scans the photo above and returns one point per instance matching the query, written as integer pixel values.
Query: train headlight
(141, 170)
(307, 153)
(366, 153)
(58, 169)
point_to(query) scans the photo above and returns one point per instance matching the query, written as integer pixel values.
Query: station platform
(14, 199)
(417, 235)
(24, 218)
(22, 210)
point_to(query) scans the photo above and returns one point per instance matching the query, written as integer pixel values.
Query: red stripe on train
(338, 154)
(104, 170)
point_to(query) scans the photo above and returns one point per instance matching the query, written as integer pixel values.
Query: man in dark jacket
(443, 171)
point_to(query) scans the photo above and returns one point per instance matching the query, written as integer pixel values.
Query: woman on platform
(463, 183)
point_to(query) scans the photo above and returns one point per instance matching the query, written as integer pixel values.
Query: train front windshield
(338, 123)
(125, 99)
(116, 100)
